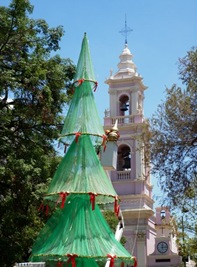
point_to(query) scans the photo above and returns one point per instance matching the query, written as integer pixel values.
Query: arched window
(163, 214)
(124, 158)
(124, 105)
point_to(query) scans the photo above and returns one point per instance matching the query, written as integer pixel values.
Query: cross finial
(125, 31)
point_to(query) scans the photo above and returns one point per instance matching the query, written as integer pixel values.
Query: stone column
(139, 160)
(141, 249)
(134, 104)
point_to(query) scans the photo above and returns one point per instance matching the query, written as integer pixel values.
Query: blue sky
(163, 31)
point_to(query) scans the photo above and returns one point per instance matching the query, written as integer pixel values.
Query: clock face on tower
(162, 247)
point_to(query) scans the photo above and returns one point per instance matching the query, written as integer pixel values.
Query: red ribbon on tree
(47, 210)
(63, 196)
(43, 207)
(112, 259)
(116, 206)
(77, 136)
(72, 259)
(92, 200)
(80, 81)
(60, 264)
(135, 262)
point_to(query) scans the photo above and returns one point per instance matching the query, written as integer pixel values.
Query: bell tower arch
(131, 179)
(124, 105)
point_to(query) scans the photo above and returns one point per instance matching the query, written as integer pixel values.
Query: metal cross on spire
(126, 30)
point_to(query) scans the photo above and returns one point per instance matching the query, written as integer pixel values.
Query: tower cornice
(122, 81)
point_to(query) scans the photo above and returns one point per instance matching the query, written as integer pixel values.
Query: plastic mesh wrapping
(77, 229)
(79, 183)
(80, 171)
(84, 65)
(82, 115)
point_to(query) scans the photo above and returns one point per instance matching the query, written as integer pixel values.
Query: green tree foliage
(187, 245)
(113, 221)
(174, 141)
(33, 90)
(192, 248)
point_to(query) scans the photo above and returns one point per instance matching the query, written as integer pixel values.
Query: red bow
(80, 81)
(72, 259)
(92, 200)
(135, 262)
(63, 197)
(116, 206)
(77, 136)
(60, 264)
(112, 259)
(47, 210)
(43, 207)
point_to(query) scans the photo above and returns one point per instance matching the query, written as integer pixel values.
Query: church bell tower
(131, 179)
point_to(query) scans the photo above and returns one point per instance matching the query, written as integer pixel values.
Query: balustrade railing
(123, 175)
(127, 119)
(123, 119)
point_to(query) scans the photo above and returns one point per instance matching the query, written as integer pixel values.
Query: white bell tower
(131, 178)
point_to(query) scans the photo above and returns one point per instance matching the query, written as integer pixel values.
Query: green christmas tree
(77, 234)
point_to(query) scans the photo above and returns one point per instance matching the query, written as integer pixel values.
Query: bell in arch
(163, 214)
(127, 163)
(124, 107)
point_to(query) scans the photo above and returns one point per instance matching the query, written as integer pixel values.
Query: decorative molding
(141, 235)
(132, 204)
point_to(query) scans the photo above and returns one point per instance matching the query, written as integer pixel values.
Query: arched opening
(163, 214)
(124, 107)
(124, 158)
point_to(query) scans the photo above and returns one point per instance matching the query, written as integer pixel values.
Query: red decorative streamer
(112, 259)
(77, 136)
(92, 200)
(41, 207)
(60, 264)
(116, 206)
(63, 196)
(80, 81)
(47, 210)
(135, 262)
(72, 259)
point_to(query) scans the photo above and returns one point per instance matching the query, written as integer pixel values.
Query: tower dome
(126, 67)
